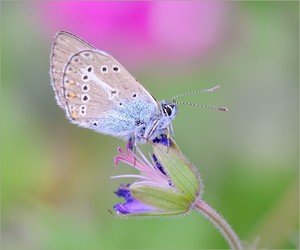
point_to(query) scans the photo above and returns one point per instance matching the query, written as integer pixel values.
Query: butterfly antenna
(196, 92)
(203, 106)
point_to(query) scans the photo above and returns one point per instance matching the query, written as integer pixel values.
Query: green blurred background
(55, 187)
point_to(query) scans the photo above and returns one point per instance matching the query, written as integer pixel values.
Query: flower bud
(168, 184)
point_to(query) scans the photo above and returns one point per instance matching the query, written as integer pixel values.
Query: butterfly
(98, 93)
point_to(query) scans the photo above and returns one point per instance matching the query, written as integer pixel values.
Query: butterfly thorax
(159, 123)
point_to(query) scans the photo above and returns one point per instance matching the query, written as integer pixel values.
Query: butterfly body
(98, 93)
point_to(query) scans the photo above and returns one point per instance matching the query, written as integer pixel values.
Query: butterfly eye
(168, 110)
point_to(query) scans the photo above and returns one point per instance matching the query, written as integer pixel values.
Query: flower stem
(220, 223)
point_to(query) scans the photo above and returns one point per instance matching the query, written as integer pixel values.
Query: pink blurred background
(142, 31)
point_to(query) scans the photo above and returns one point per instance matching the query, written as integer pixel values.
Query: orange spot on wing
(74, 114)
(71, 95)
(71, 82)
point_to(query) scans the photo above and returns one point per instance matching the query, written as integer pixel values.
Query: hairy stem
(220, 223)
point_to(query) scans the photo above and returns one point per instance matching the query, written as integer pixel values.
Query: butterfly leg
(172, 130)
(168, 138)
(132, 146)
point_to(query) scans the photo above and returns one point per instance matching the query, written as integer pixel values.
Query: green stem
(219, 222)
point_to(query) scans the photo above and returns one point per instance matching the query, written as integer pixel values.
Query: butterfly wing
(95, 90)
(64, 46)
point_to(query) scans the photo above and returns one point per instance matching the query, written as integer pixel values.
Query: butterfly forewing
(93, 87)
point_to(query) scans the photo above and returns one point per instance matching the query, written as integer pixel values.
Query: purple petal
(131, 205)
(154, 157)
(123, 191)
(158, 165)
(163, 140)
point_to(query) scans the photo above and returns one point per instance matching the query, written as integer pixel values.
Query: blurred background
(56, 190)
